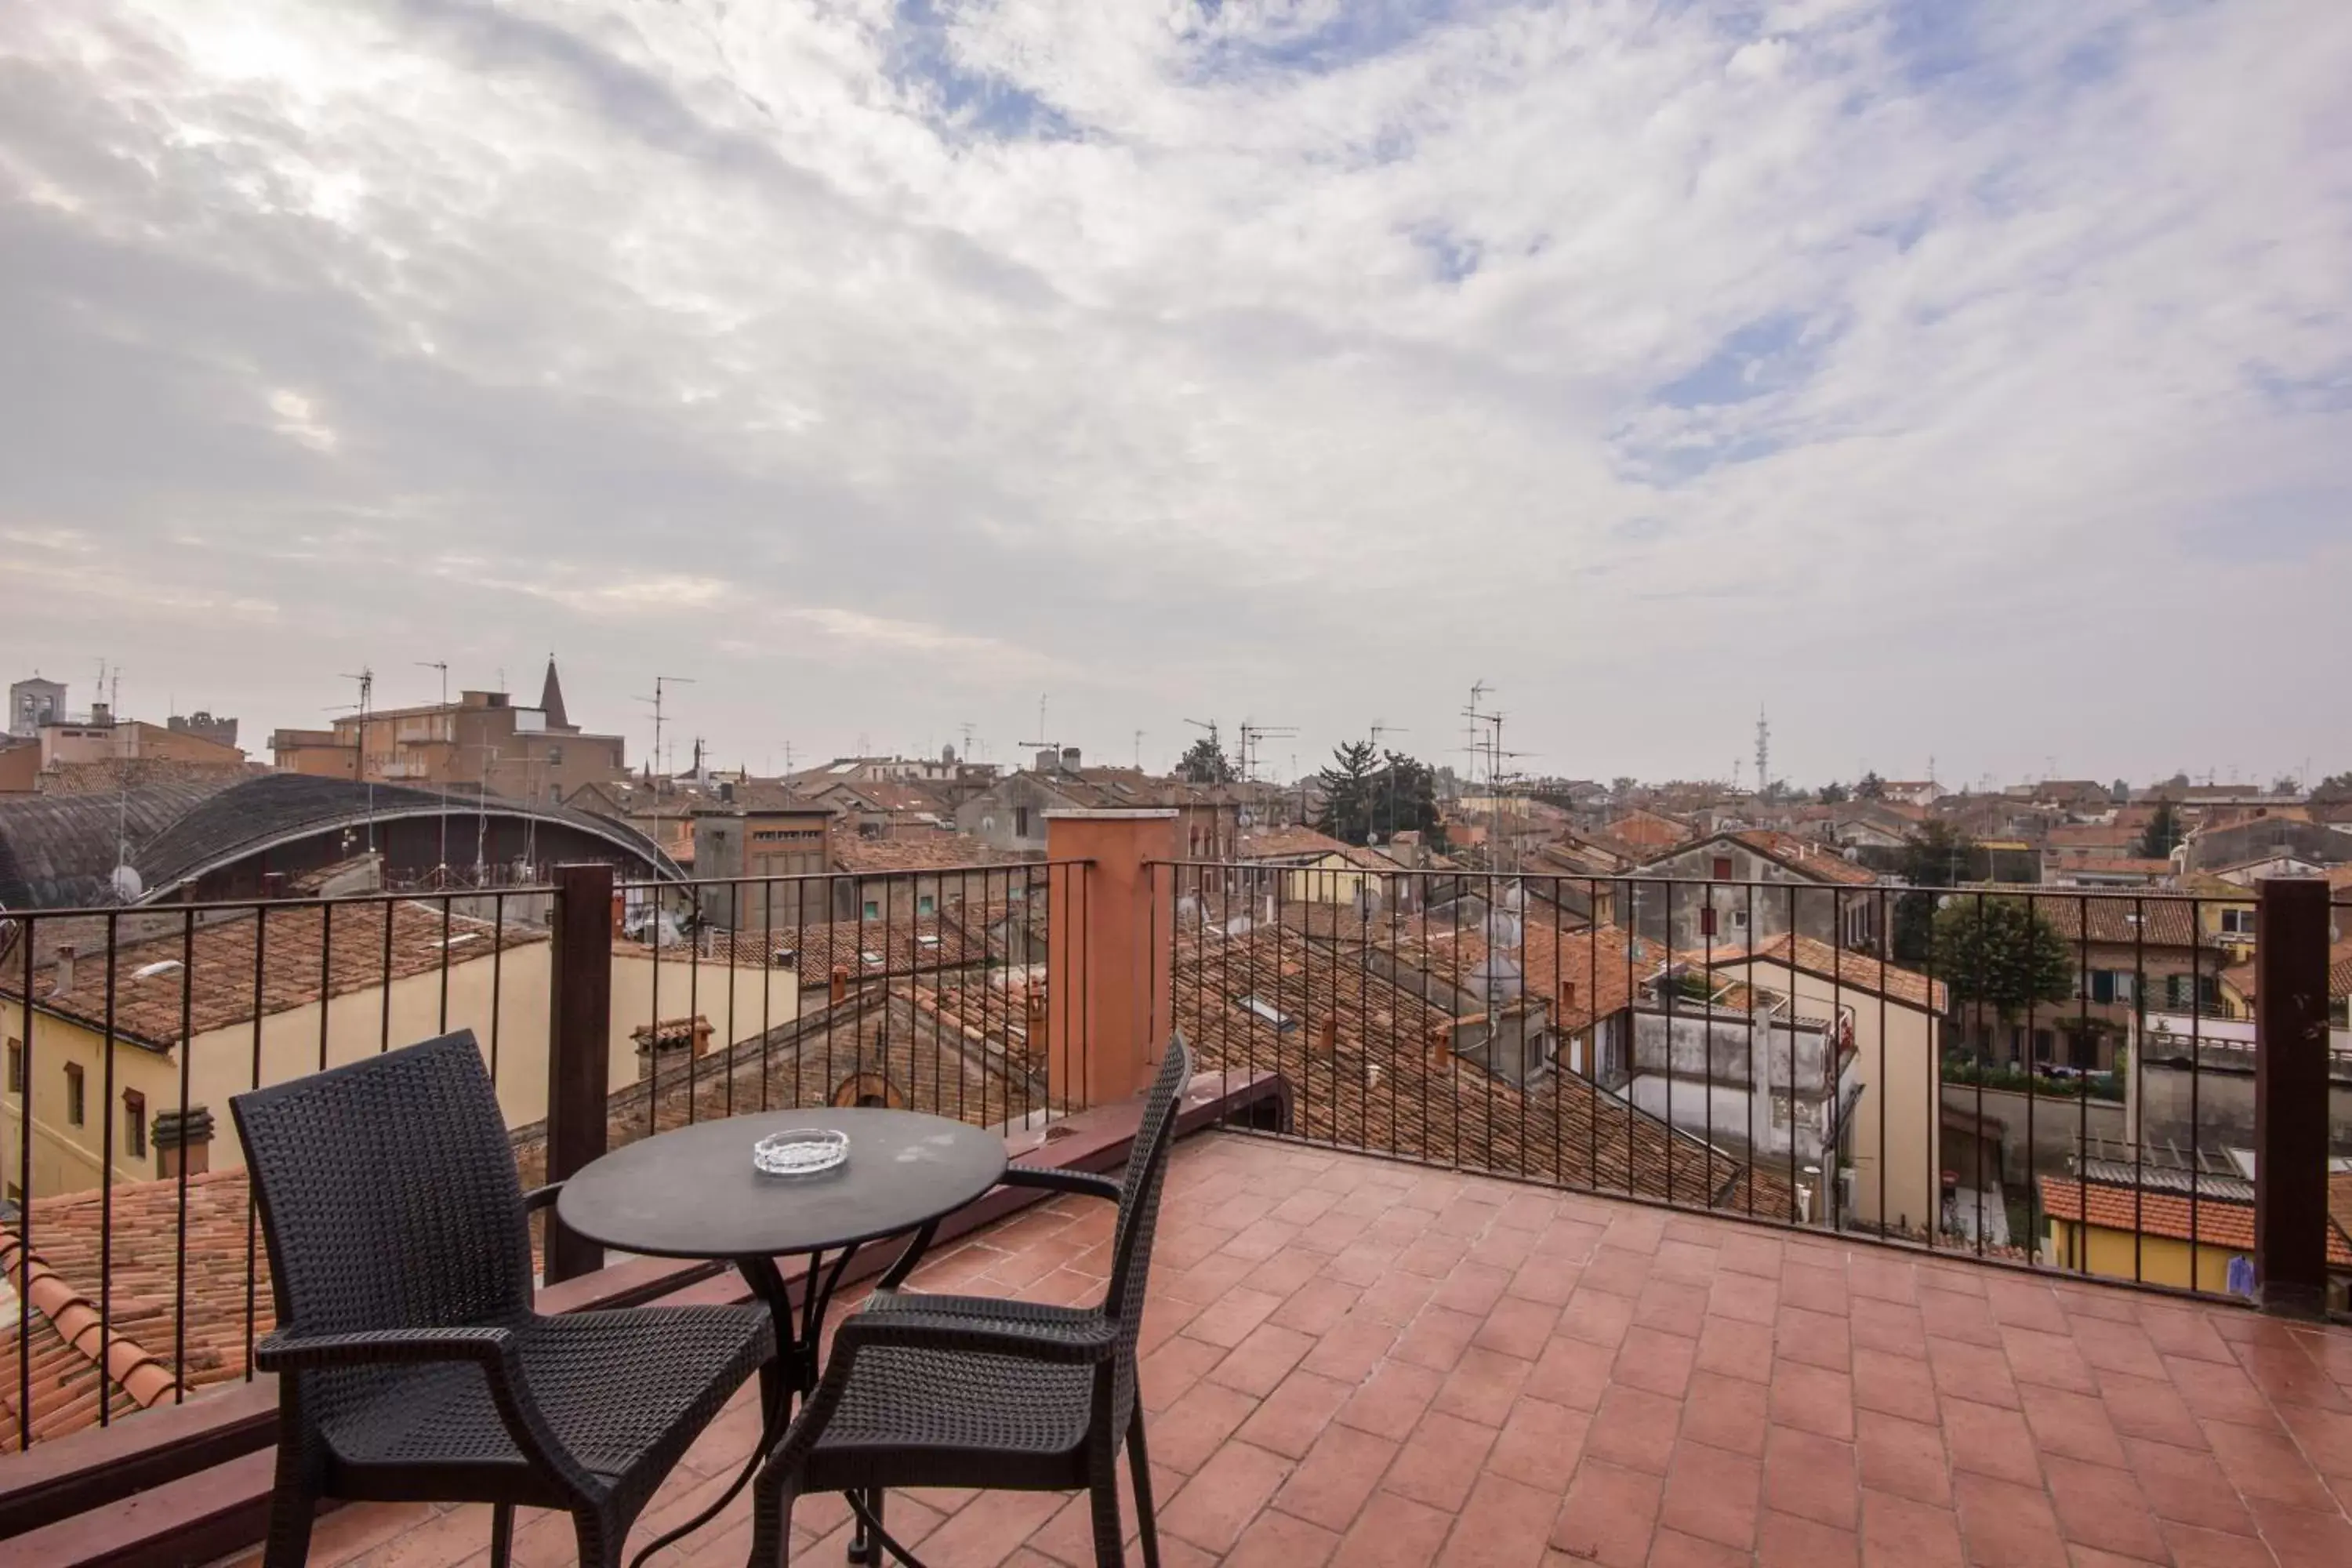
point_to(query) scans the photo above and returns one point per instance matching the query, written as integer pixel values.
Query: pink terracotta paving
(1351, 1362)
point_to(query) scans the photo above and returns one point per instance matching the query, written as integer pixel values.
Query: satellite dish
(127, 885)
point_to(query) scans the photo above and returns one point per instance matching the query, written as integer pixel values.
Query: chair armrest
(540, 1197)
(1083, 1342)
(1085, 1183)
(289, 1351)
(490, 1347)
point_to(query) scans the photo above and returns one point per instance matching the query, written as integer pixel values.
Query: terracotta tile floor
(1359, 1363)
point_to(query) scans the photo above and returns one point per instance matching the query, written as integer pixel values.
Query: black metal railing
(1971, 1068)
(127, 1245)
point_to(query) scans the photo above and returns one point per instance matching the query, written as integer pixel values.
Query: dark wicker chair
(969, 1391)
(411, 1366)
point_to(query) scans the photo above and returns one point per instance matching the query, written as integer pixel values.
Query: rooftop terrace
(1354, 1361)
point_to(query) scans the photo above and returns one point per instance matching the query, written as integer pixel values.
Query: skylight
(1269, 1012)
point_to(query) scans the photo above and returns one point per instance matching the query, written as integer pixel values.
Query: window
(1020, 822)
(2103, 986)
(1739, 920)
(555, 756)
(555, 794)
(15, 1067)
(2044, 1045)
(2082, 1049)
(135, 1124)
(1722, 869)
(873, 909)
(1706, 921)
(74, 1108)
(2238, 922)
(924, 904)
(1267, 1011)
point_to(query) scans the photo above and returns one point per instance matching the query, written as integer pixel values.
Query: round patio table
(694, 1193)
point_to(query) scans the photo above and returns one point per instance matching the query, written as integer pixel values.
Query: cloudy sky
(1971, 381)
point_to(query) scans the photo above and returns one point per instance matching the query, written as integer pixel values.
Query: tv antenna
(1763, 753)
(662, 683)
(1379, 729)
(366, 679)
(1138, 751)
(1251, 735)
(442, 665)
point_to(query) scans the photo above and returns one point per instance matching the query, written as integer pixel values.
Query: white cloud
(1871, 360)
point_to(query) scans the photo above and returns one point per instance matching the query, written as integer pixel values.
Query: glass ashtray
(799, 1151)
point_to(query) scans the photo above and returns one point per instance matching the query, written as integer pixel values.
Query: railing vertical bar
(768, 980)
(384, 1008)
(180, 1236)
(447, 903)
(696, 930)
(498, 975)
(29, 930)
(1885, 931)
(106, 1177)
(252, 1203)
(2196, 1108)
(1977, 983)
(2136, 1125)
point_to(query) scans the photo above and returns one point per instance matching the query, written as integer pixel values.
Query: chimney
(1039, 1036)
(182, 1141)
(1048, 761)
(101, 715)
(701, 1034)
(840, 989)
(1567, 995)
(1070, 758)
(64, 969)
(1441, 1046)
(1326, 1035)
(273, 884)
(620, 912)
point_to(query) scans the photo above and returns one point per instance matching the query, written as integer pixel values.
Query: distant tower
(1763, 753)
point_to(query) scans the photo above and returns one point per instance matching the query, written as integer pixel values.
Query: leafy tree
(2119, 792)
(1938, 856)
(2002, 953)
(2163, 833)
(1403, 799)
(1625, 784)
(1205, 764)
(1347, 793)
(2334, 787)
(2286, 783)
(1835, 794)
(1872, 787)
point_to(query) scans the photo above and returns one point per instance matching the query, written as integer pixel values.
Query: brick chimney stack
(183, 1139)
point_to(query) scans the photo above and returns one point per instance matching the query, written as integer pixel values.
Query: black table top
(694, 1193)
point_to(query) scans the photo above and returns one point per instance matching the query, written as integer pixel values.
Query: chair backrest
(388, 1193)
(1139, 1199)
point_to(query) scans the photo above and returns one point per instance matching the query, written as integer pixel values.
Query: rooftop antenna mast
(442, 665)
(1138, 751)
(662, 683)
(1379, 729)
(1251, 735)
(1763, 753)
(366, 677)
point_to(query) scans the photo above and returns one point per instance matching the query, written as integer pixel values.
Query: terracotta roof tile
(2219, 1222)
(147, 1006)
(142, 1240)
(1851, 970)
(1806, 856)
(916, 851)
(1378, 1085)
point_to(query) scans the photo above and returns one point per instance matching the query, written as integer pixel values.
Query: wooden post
(2291, 1095)
(579, 1047)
